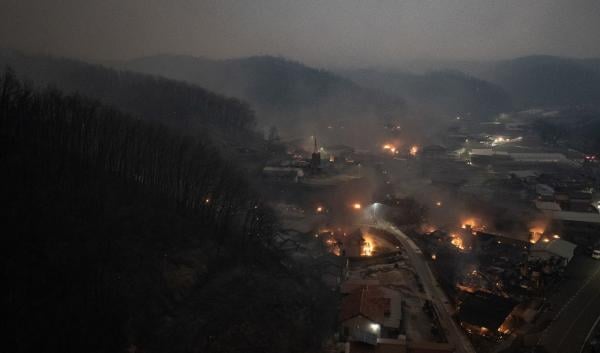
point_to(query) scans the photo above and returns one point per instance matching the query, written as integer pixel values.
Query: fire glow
(473, 224)
(535, 234)
(391, 148)
(414, 150)
(368, 247)
(457, 242)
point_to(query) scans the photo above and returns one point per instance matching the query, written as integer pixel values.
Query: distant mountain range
(283, 92)
(530, 81)
(547, 80)
(301, 100)
(447, 93)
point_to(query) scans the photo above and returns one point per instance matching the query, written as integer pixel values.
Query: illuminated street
(574, 320)
(455, 334)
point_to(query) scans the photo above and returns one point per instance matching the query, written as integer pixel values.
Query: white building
(552, 248)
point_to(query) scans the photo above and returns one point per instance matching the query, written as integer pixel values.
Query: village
(460, 246)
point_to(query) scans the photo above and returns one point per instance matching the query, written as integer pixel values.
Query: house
(552, 248)
(433, 152)
(484, 313)
(288, 174)
(369, 313)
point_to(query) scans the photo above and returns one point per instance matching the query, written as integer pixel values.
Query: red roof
(367, 301)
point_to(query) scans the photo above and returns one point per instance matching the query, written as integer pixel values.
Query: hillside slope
(122, 235)
(284, 93)
(547, 80)
(443, 93)
(180, 105)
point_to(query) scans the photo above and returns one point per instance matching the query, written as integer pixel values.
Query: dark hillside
(175, 104)
(284, 92)
(547, 81)
(122, 235)
(445, 93)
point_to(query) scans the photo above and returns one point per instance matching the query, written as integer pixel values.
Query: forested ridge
(176, 104)
(284, 92)
(122, 235)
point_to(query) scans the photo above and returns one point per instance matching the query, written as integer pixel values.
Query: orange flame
(414, 150)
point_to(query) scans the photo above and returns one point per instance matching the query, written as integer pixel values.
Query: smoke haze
(324, 33)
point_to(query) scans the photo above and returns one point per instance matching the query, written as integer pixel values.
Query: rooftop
(557, 247)
(367, 301)
(485, 310)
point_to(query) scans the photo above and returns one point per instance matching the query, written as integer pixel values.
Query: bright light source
(556, 236)
(438, 204)
(433, 257)
(375, 327)
(357, 206)
(319, 209)
(546, 240)
(414, 150)
(207, 200)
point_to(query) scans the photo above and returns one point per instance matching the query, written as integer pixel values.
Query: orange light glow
(414, 150)
(357, 206)
(535, 234)
(428, 229)
(368, 246)
(457, 242)
(469, 222)
(319, 209)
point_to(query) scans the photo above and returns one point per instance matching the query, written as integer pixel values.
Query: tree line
(123, 234)
(175, 104)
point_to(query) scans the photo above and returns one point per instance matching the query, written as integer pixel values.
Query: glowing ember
(414, 150)
(357, 206)
(504, 328)
(470, 223)
(428, 229)
(368, 247)
(535, 234)
(393, 149)
(457, 241)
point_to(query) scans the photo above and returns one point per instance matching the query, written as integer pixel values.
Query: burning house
(484, 314)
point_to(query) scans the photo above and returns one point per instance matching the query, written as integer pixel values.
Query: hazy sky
(319, 32)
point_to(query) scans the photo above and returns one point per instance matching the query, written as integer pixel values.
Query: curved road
(455, 334)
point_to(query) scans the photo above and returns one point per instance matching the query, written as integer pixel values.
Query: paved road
(456, 335)
(571, 326)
